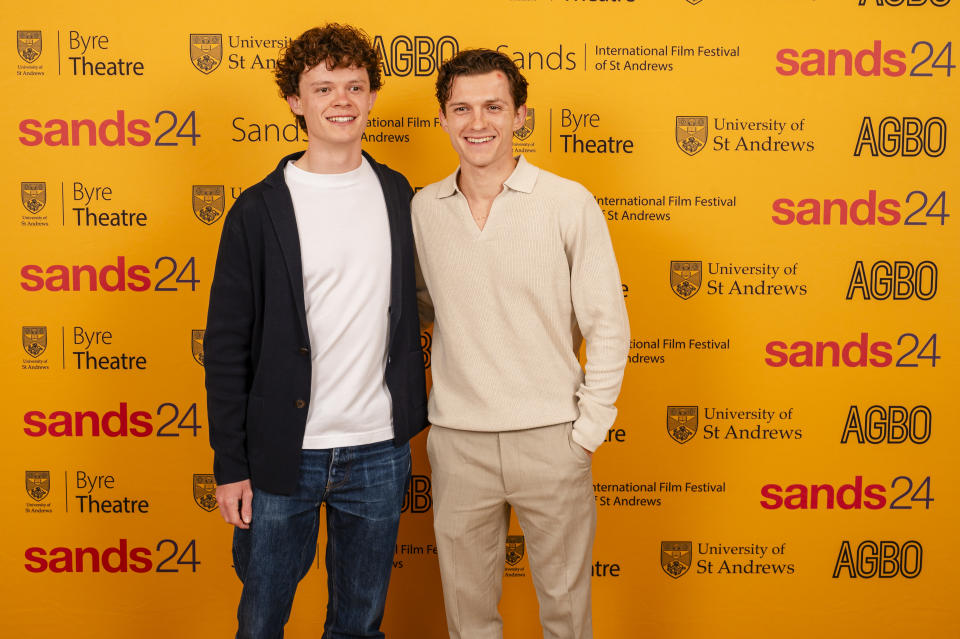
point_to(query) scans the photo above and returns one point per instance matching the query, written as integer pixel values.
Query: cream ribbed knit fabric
(511, 302)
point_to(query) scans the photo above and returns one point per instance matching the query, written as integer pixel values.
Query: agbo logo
(418, 498)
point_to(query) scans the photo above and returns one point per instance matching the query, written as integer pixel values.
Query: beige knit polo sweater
(512, 303)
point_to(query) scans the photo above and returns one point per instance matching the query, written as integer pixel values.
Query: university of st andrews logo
(526, 130)
(29, 45)
(206, 51)
(675, 557)
(196, 344)
(682, 423)
(208, 203)
(691, 133)
(38, 484)
(515, 549)
(205, 491)
(33, 195)
(34, 340)
(685, 278)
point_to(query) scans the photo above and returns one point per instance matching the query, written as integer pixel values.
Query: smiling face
(335, 104)
(480, 118)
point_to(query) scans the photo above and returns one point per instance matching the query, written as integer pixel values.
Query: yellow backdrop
(780, 188)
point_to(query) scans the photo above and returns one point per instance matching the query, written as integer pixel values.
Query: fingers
(246, 503)
(236, 503)
(226, 511)
(229, 508)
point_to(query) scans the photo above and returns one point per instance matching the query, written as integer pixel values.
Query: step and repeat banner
(780, 183)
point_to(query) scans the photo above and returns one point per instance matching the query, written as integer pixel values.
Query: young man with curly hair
(519, 270)
(314, 372)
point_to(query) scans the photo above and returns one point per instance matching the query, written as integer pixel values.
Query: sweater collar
(523, 179)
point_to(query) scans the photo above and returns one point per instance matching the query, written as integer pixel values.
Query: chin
(480, 152)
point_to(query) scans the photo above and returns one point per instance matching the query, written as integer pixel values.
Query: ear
(373, 98)
(443, 120)
(295, 106)
(520, 116)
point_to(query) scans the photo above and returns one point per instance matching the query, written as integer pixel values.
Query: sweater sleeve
(424, 301)
(601, 314)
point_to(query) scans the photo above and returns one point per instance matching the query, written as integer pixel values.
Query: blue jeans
(363, 488)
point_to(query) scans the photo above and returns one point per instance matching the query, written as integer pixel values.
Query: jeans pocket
(241, 552)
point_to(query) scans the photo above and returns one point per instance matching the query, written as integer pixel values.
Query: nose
(342, 96)
(477, 120)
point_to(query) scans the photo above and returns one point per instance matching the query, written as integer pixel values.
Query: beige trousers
(546, 477)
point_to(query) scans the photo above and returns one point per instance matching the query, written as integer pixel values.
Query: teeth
(480, 140)
(342, 118)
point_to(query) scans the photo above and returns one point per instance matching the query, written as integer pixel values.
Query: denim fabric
(362, 488)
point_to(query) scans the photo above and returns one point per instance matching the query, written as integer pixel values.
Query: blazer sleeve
(227, 350)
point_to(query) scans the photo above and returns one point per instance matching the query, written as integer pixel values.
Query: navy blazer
(256, 346)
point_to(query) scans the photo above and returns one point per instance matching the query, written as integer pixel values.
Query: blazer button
(304, 350)
(300, 403)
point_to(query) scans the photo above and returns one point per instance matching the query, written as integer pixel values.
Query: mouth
(479, 140)
(341, 119)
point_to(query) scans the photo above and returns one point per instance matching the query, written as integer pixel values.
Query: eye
(322, 89)
(459, 109)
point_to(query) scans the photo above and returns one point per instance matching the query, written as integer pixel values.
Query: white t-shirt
(345, 252)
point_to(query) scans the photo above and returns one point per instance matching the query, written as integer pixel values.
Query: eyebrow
(486, 101)
(318, 83)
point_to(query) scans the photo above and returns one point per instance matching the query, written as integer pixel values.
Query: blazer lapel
(284, 221)
(392, 198)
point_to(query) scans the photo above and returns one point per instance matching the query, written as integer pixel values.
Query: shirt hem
(316, 442)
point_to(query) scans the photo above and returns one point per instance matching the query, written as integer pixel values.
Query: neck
(330, 159)
(485, 182)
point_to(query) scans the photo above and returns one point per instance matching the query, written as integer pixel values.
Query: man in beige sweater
(518, 270)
